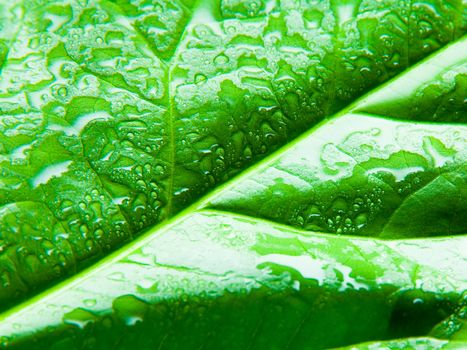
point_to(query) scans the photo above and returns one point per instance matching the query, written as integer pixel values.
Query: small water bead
(116, 276)
(89, 244)
(62, 259)
(361, 220)
(45, 98)
(159, 170)
(61, 236)
(425, 28)
(79, 317)
(141, 184)
(98, 234)
(66, 206)
(130, 309)
(4, 341)
(221, 59)
(48, 247)
(200, 79)
(365, 70)
(300, 221)
(5, 279)
(138, 170)
(247, 152)
(34, 43)
(89, 302)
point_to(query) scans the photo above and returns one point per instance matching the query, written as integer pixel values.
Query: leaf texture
(219, 275)
(116, 115)
(213, 279)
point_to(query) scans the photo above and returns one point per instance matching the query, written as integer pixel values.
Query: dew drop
(116, 276)
(221, 59)
(5, 279)
(79, 318)
(200, 79)
(89, 302)
(361, 220)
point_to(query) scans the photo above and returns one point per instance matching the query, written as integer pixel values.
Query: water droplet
(4, 341)
(424, 28)
(79, 318)
(5, 279)
(247, 153)
(221, 59)
(59, 90)
(34, 43)
(159, 170)
(89, 244)
(200, 79)
(365, 70)
(89, 302)
(130, 309)
(98, 234)
(361, 220)
(61, 259)
(116, 276)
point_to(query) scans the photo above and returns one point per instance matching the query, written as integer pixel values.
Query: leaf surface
(215, 279)
(115, 115)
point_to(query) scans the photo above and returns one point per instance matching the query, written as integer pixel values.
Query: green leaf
(214, 279)
(115, 115)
